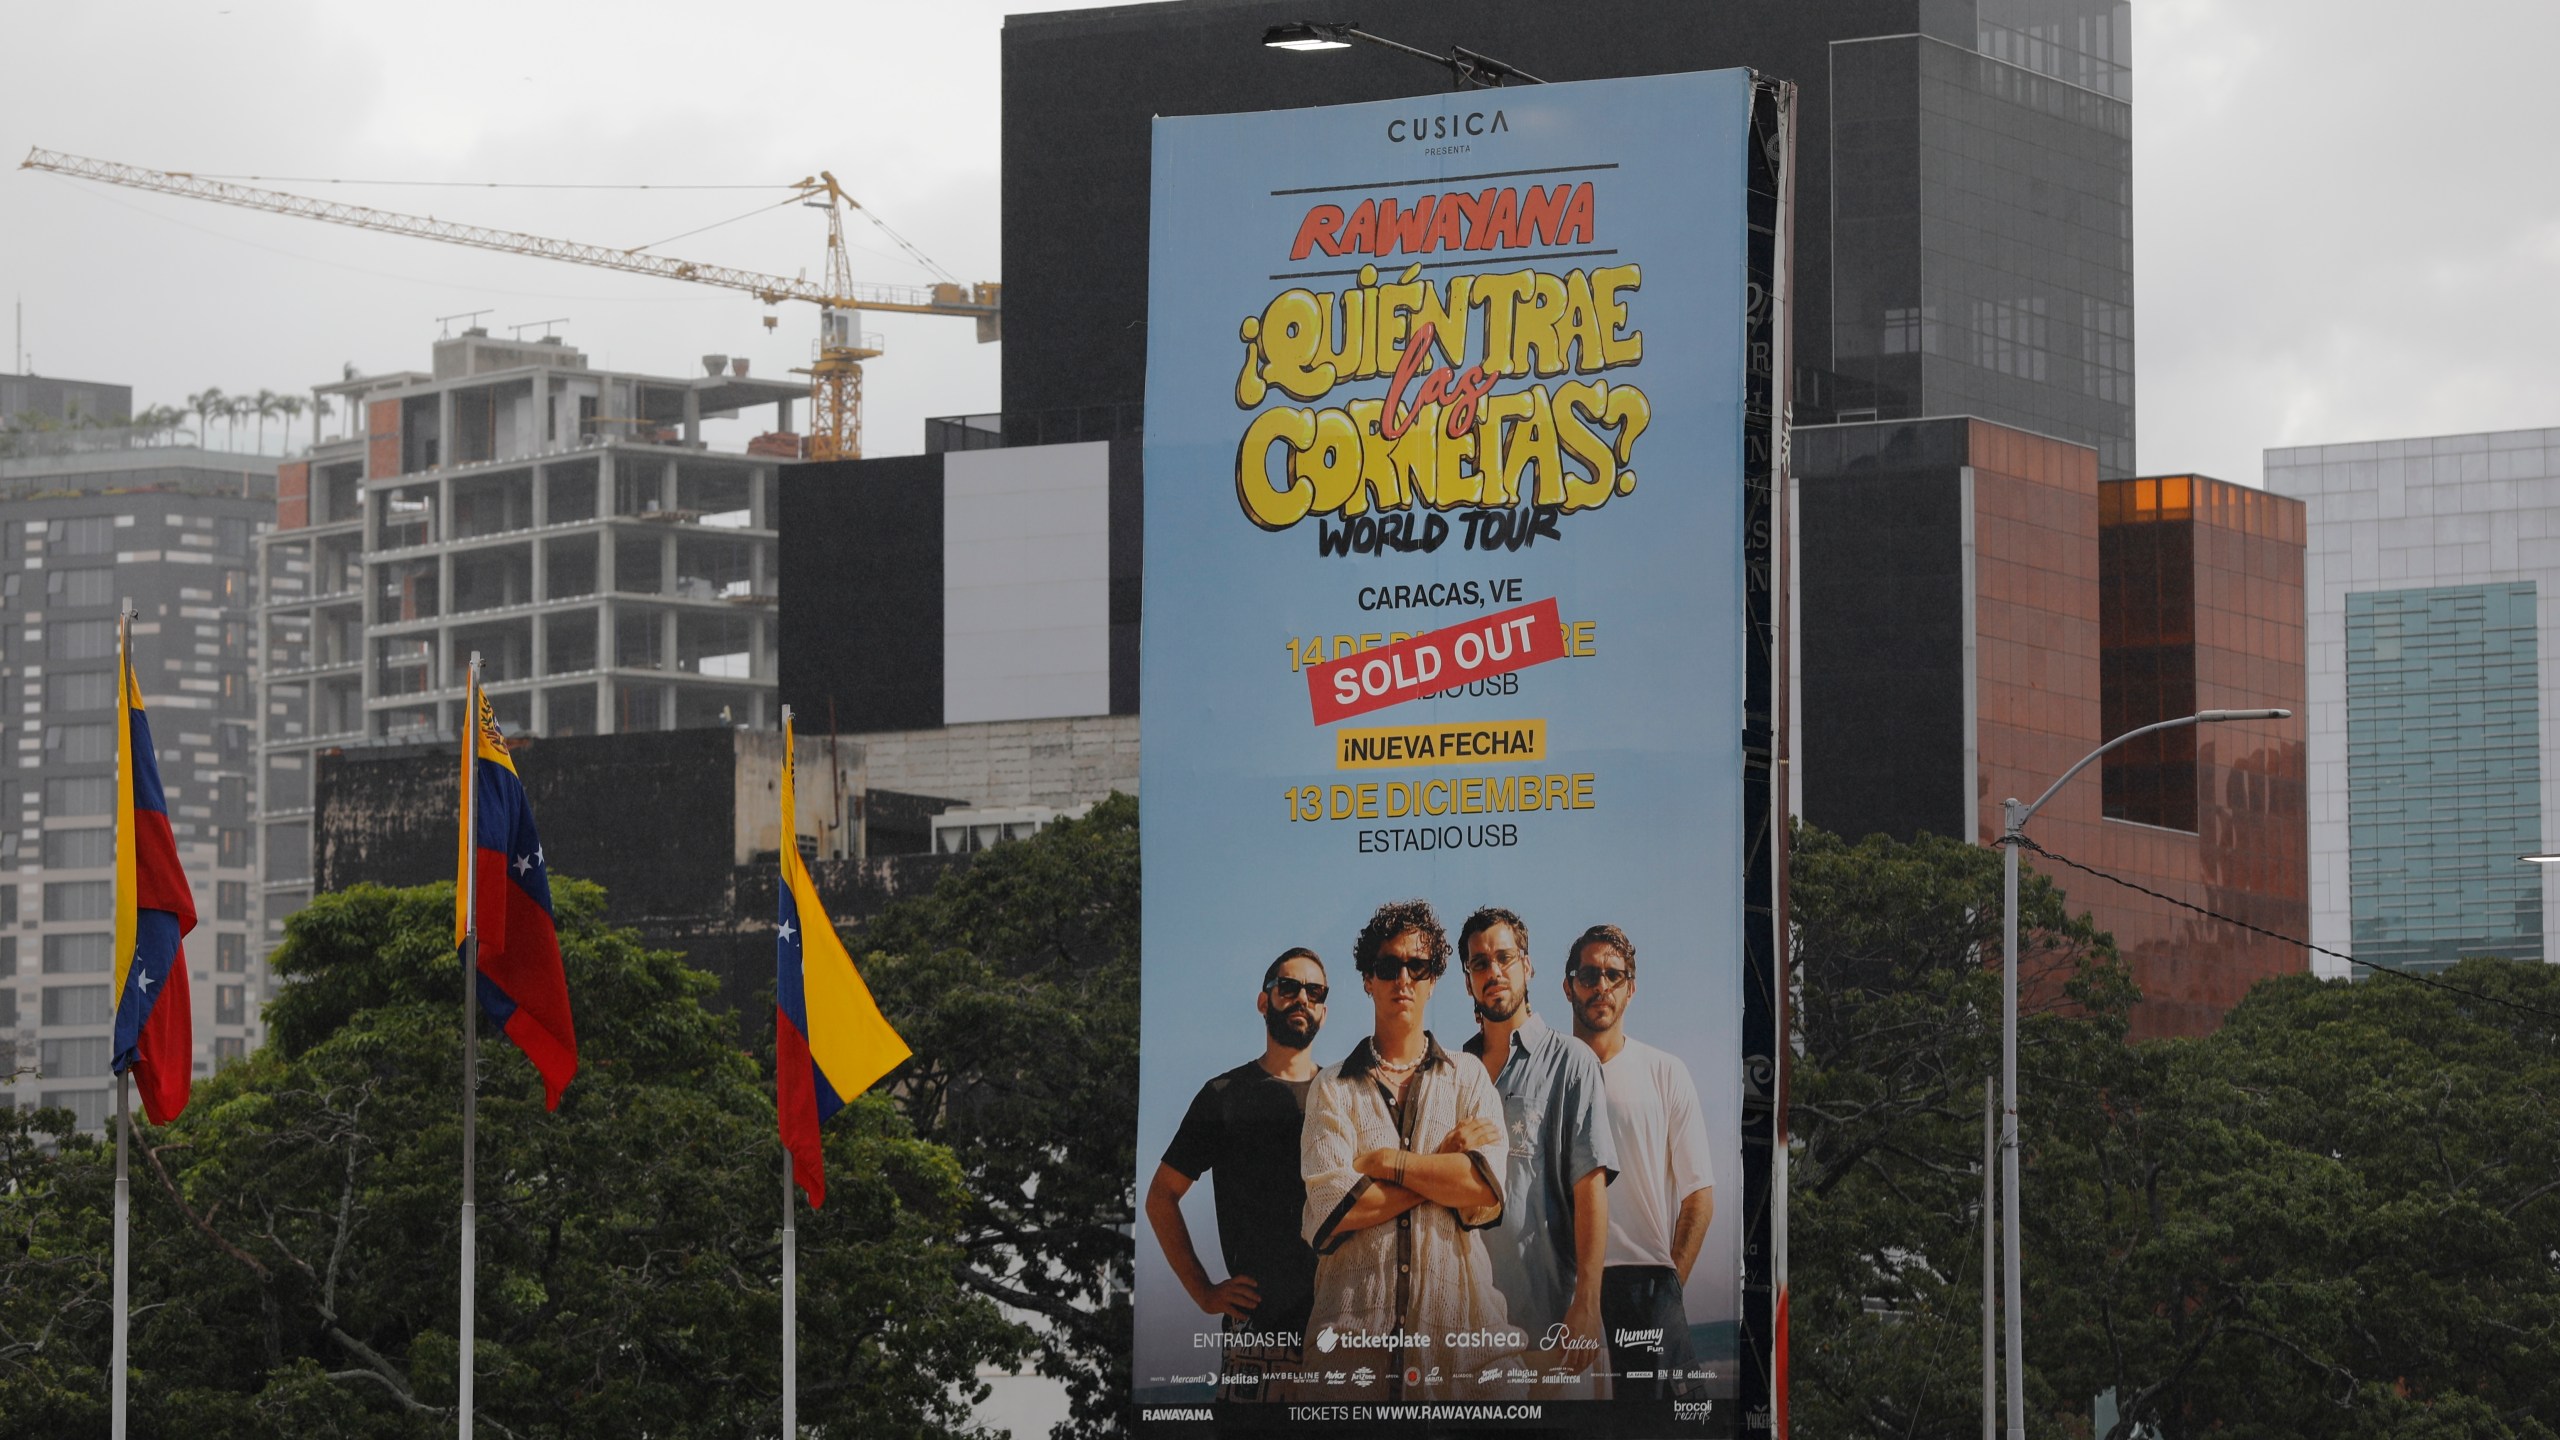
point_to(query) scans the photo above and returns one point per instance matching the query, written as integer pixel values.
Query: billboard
(1445, 676)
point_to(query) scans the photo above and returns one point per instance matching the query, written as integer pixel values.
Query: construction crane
(835, 377)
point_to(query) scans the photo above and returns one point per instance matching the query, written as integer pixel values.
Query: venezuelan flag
(830, 1039)
(523, 987)
(155, 1030)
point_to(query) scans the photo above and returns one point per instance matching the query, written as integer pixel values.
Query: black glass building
(1964, 181)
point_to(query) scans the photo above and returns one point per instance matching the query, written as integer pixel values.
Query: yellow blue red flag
(523, 987)
(830, 1039)
(155, 908)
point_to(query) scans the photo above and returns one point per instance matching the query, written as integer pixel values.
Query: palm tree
(207, 403)
(240, 408)
(263, 405)
(292, 408)
(152, 426)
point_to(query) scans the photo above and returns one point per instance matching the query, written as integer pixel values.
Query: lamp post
(1468, 69)
(2014, 818)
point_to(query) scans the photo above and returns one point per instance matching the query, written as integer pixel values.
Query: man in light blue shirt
(1548, 1251)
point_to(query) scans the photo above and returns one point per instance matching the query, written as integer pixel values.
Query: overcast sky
(2347, 222)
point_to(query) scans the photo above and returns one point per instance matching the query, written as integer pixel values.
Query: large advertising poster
(1440, 1097)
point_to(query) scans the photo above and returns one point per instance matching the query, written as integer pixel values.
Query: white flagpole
(124, 1218)
(117, 1362)
(470, 1033)
(790, 1308)
(790, 1211)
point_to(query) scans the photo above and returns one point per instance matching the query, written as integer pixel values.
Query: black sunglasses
(1594, 977)
(1290, 988)
(1387, 967)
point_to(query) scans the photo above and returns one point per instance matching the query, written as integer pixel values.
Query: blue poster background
(1654, 714)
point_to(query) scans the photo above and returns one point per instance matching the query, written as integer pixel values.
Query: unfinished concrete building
(567, 524)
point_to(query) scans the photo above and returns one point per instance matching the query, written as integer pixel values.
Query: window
(231, 953)
(77, 954)
(73, 1059)
(229, 1005)
(86, 535)
(8, 904)
(80, 640)
(80, 744)
(88, 1107)
(289, 851)
(8, 1010)
(79, 849)
(8, 959)
(87, 795)
(80, 587)
(231, 900)
(234, 845)
(81, 690)
(80, 900)
(228, 1050)
(77, 1005)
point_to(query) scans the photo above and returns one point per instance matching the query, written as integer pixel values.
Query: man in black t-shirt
(1244, 1126)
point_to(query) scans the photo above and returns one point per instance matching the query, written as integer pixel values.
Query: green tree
(1898, 1025)
(1016, 983)
(2336, 1216)
(207, 403)
(296, 1233)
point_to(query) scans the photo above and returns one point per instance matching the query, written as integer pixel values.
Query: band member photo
(1243, 1127)
(1549, 1250)
(1405, 1162)
(1665, 1193)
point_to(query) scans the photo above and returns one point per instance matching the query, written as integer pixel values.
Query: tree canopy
(2336, 1216)
(1016, 982)
(296, 1232)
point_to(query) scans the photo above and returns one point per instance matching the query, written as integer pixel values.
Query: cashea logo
(1405, 129)
(1326, 1340)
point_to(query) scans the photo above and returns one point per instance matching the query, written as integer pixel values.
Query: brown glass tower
(1978, 610)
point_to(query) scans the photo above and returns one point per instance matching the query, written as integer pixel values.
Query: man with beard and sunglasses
(1665, 1196)
(1244, 1126)
(1548, 1251)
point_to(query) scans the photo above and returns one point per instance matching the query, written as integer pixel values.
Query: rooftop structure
(568, 525)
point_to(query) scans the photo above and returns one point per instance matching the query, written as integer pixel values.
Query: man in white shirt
(1665, 1193)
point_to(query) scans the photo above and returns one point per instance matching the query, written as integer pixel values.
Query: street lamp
(1468, 70)
(2014, 818)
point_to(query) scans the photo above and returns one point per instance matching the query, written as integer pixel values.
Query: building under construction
(570, 526)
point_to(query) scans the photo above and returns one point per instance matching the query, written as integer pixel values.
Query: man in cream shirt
(1665, 1193)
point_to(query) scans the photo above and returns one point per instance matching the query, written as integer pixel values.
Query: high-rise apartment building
(1963, 217)
(2432, 565)
(172, 531)
(568, 525)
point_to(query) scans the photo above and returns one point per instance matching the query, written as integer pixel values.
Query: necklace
(1398, 1070)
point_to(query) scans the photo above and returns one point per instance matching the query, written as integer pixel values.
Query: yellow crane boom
(836, 377)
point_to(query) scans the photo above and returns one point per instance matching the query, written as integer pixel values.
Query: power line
(2422, 979)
